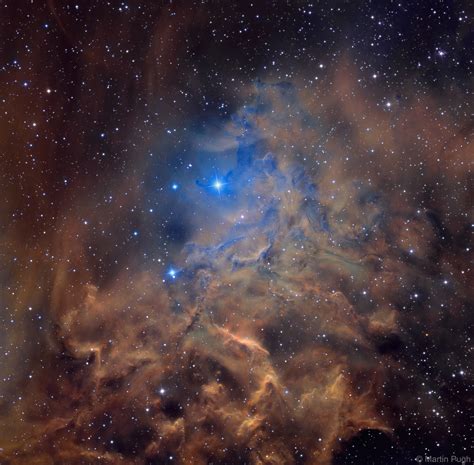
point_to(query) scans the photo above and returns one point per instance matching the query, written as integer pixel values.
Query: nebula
(281, 279)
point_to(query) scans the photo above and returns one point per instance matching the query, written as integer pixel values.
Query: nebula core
(236, 233)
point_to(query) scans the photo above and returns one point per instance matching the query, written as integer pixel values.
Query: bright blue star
(218, 185)
(172, 273)
(174, 186)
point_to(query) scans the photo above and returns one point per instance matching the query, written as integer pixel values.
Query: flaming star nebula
(236, 233)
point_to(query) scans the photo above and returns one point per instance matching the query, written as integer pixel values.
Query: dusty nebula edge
(284, 280)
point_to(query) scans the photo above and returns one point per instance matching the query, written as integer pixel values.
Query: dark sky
(235, 232)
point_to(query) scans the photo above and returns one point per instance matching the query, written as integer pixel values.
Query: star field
(236, 233)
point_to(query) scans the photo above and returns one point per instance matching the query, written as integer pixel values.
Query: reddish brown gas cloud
(257, 354)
